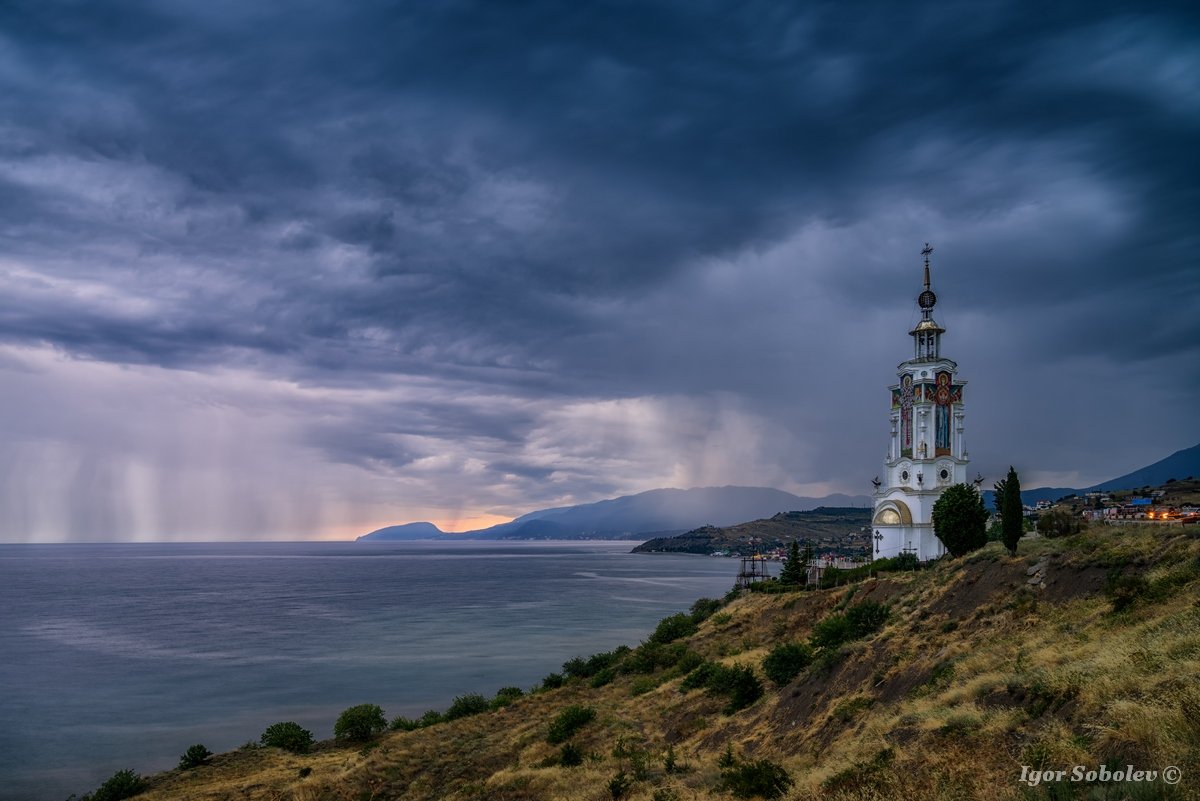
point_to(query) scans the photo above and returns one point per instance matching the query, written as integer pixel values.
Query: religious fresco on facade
(906, 416)
(945, 395)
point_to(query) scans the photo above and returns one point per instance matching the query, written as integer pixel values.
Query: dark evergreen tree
(1012, 516)
(959, 519)
(794, 570)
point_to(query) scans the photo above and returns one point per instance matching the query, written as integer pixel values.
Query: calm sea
(116, 656)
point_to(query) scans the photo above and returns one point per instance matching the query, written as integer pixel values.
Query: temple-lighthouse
(927, 452)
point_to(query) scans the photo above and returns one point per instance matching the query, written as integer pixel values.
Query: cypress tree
(1011, 513)
(793, 570)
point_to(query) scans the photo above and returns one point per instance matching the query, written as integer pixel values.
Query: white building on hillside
(927, 453)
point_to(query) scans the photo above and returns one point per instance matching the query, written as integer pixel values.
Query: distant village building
(927, 453)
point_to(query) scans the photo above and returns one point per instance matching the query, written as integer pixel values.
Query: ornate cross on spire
(925, 251)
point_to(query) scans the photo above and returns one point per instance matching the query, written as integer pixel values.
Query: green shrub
(431, 718)
(603, 677)
(673, 628)
(650, 656)
(505, 696)
(570, 756)
(401, 723)
(867, 617)
(737, 683)
(832, 631)
(359, 722)
(466, 705)
(643, 685)
(699, 677)
(619, 785)
(847, 709)
(1058, 523)
(759, 779)
(670, 761)
(689, 661)
(862, 778)
(586, 668)
(1125, 589)
(121, 785)
(552, 681)
(194, 757)
(721, 618)
(786, 662)
(569, 720)
(704, 608)
(856, 622)
(289, 736)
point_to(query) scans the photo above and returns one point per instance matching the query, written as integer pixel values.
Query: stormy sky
(292, 270)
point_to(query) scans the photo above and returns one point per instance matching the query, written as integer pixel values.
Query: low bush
(650, 656)
(603, 677)
(1125, 589)
(856, 622)
(1058, 523)
(704, 608)
(673, 628)
(289, 736)
(570, 720)
(862, 779)
(359, 723)
(431, 718)
(643, 685)
(121, 785)
(786, 662)
(867, 617)
(737, 683)
(699, 677)
(552, 681)
(761, 778)
(831, 631)
(586, 668)
(464, 706)
(570, 756)
(401, 723)
(848, 708)
(619, 785)
(505, 696)
(194, 757)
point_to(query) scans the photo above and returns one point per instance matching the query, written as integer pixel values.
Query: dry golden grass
(975, 674)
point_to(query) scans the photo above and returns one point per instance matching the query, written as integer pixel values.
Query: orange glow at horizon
(448, 525)
(456, 525)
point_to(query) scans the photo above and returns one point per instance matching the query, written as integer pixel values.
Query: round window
(904, 476)
(945, 474)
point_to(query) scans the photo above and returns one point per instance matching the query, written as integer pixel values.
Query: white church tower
(927, 452)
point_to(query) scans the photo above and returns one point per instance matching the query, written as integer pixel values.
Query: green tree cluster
(194, 757)
(359, 723)
(960, 520)
(289, 736)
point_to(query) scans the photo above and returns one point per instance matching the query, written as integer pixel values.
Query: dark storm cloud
(512, 209)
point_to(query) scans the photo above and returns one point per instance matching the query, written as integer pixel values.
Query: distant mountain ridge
(1180, 464)
(664, 512)
(652, 513)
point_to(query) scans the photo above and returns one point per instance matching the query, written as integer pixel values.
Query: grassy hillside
(1083, 651)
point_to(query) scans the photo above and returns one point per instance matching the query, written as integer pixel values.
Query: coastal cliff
(1079, 651)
